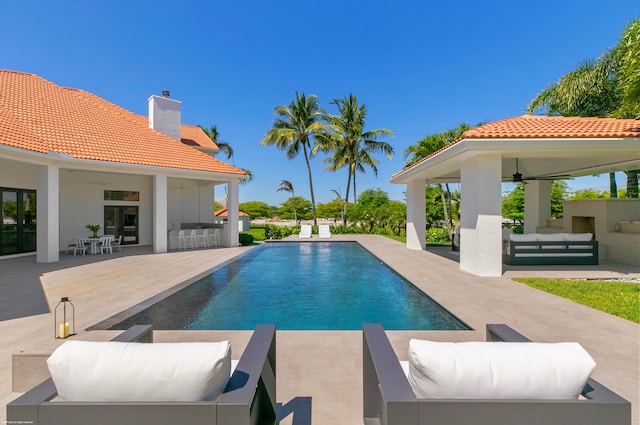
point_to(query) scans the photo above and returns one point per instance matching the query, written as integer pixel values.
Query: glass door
(18, 232)
(123, 221)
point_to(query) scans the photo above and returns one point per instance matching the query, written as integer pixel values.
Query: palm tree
(350, 145)
(213, 134)
(294, 128)
(425, 147)
(609, 86)
(287, 186)
(226, 148)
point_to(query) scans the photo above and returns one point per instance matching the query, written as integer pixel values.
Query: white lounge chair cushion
(527, 237)
(498, 370)
(578, 237)
(119, 371)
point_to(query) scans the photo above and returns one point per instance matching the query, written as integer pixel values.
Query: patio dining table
(93, 243)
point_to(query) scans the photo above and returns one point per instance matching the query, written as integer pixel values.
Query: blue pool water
(300, 286)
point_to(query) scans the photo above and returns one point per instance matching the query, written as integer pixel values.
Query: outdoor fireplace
(581, 224)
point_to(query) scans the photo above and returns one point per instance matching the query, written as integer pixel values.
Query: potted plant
(94, 228)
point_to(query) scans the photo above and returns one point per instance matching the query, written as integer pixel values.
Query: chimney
(164, 115)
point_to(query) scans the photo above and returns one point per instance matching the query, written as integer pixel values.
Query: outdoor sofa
(551, 249)
(389, 399)
(249, 396)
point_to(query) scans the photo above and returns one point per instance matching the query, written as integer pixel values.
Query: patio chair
(214, 237)
(191, 238)
(390, 399)
(203, 235)
(117, 243)
(79, 246)
(105, 244)
(305, 231)
(324, 232)
(249, 396)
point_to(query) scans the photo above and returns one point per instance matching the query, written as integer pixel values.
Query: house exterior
(69, 158)
(244, 221)
(538, 149)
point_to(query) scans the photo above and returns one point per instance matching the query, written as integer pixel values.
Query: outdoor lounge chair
(248, 398)
(389, 399)
(305, 231)
(324, 232)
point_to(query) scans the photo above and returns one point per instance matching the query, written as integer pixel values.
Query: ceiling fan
(518, 178)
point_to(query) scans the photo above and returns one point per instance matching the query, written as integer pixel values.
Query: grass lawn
(621, 299)
(256, 232)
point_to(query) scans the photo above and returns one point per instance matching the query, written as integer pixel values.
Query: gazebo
(534, 149)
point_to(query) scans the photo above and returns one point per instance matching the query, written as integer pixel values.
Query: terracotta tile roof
(223, 212)
(193, 135)
(40, 116)
(543, 127)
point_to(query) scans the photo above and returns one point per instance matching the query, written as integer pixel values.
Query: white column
(48, 214)
(416, 215)
(232, 214)
(537, 204)
(481, 215)
(160, 208)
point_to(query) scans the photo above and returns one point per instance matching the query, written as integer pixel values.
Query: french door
(18, 232)
(123, 221)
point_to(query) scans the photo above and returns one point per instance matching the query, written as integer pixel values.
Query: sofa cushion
(527, 237)
(551, 237)
(119, 371)
(498, 370)
(578, 237)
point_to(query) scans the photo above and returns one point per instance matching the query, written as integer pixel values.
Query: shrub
(245, 239)
(279, 232)
(437, 235)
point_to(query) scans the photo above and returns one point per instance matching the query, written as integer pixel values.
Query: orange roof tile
(223, 212)
(40, 116)
(545, 127)
(194, 136)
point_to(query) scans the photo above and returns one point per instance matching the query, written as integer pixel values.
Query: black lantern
(64, 323)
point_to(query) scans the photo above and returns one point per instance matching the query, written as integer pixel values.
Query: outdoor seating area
(484, 383)
(204, 388)
(194, 238)
(94, 245)
(551, 249)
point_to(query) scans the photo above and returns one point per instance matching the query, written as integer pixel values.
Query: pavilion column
(416, 214)
(232, 214)
(481, 215)
(48, 214)
(537, 204)
(160, 211)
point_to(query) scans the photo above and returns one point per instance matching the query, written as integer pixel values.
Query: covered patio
(532, 149)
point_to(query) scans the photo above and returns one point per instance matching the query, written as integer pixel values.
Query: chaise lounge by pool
(299, 286)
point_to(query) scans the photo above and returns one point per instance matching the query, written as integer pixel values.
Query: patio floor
(319, 373)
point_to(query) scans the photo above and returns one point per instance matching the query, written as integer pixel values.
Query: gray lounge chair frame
(389, 399)
(249, 398)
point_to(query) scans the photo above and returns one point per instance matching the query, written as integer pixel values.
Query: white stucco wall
(18, 175)
(82, 202)
(614, 246)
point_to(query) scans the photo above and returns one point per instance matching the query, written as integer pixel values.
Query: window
(120, 195)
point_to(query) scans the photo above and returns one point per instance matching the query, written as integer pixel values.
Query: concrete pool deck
(319, 373)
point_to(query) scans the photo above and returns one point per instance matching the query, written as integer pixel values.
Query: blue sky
(421, 67)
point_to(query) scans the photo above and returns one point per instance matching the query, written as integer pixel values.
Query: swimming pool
(300, 286)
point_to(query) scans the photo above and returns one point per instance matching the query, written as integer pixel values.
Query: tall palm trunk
(355, 196)
(313, 199)
(632, 183)
(293, 198)
(346, 198)
(446, 211)
(613, 187)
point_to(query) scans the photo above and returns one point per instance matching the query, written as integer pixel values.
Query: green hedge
(437, 235)
(245, 239)
(279, 232)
